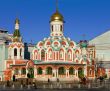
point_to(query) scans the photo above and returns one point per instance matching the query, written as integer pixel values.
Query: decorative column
(64, 55)
(67, 73)
(76, 72)
(26, 72)
(18, 53)
(54, 72)
(35, 72)
(57, 73)
(44, 72)
(12, 74)
(85, 70)
(19, 72)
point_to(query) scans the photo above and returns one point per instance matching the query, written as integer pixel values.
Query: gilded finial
(56, 5)
(17, 21)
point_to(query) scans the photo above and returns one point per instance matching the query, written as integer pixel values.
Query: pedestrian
(14, 78)
(48, 80)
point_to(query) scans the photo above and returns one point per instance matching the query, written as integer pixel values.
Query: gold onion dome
(57, 17)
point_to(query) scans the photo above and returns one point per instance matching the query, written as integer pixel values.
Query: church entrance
(80, 73)
(30, 73)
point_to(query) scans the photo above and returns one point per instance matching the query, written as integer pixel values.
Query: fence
(55, 85)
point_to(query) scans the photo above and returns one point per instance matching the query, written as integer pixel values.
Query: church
(55, 57)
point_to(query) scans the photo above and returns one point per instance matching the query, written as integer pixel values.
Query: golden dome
(57, 17)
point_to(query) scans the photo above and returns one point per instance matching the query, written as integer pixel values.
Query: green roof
(16, 33)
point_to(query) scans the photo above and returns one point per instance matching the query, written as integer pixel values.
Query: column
(35, 72)
(44, 72)
(67, 73)
(26, 72)
(54, 71)
(57, 73)
(76, 72)
(18, 53)
(85, 70)
(12, 53)
(64, 55)
(20, 71)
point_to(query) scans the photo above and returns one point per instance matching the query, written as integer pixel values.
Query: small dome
(57, 17)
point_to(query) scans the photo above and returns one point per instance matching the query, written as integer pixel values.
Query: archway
(71, 71)
(31, 72)
(15, 52)
(61, 71)
(39, 71)
(49, 71)
(80, 73)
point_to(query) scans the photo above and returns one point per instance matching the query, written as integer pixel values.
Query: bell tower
(16, 48)
(56, 23)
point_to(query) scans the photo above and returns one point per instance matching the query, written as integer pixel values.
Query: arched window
(42, 55)
(61, 54)
(49, 70)
(61, 28)
(69, 55)
(20, 52)
(61, 71)
(15, 52)
(71, 71)
(36, 55)
(16, 71)
(39, 71)
(52, 28)
(23, 71)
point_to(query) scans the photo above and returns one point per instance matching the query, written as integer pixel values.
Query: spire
(16, 32)
(56, 5)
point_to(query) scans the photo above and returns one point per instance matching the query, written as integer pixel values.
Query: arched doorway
(80, 73)
(31, 72)
(30, 68)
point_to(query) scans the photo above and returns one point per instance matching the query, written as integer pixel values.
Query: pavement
(93, 89)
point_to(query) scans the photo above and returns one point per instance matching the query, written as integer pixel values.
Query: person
(14, 78)
(48, 80)
(57, 80)
(28, 75)
(8, 83)
(84, 80)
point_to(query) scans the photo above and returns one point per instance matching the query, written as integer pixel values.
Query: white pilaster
(85, 70)
(67, 73)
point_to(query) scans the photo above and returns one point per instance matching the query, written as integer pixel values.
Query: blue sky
(89, 17)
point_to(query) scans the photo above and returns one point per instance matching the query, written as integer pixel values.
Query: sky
(89, 17)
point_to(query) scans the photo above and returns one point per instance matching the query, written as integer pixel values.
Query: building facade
(55, 57)
(102, 47)
(5, 38)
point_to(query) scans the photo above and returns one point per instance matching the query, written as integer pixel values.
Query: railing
(105, 85)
